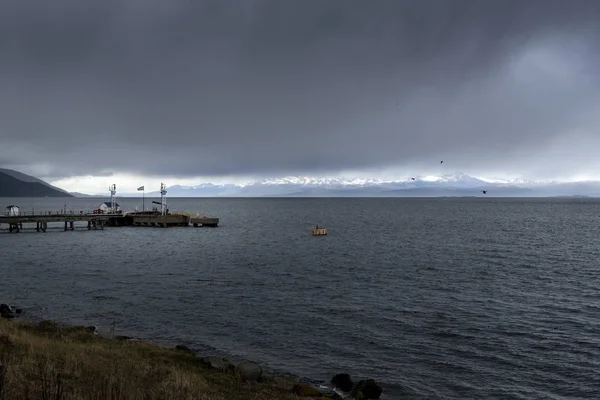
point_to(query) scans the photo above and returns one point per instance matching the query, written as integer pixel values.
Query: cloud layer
(264, 88)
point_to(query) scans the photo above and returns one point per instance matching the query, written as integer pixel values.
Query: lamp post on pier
(113, 202)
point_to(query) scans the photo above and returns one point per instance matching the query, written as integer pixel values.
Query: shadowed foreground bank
(48, 361)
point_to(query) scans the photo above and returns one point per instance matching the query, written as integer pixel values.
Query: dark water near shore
(445, 298)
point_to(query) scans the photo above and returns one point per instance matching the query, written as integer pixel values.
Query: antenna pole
(113, 203)
(163, 202)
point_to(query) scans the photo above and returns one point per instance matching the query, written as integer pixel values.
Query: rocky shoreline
(343, 387)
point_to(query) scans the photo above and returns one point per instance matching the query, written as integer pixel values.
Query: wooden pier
(94, 221)
(99, 221)
(108, 213)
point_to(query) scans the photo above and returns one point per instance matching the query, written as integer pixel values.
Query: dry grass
(48, 362)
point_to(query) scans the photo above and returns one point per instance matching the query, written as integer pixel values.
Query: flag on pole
(141, 188)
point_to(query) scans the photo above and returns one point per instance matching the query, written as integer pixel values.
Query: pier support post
(72, 225)
(44, 226)
(65, 226)
(37, 226)
(89, 225)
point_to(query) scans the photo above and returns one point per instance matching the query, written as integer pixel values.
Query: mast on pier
(113, 203)
(163, 201)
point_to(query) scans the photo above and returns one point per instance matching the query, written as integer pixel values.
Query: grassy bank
(46, 361)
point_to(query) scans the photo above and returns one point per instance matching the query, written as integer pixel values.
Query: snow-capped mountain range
(422, 186)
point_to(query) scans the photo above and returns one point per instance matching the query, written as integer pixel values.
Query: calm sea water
(444, 298)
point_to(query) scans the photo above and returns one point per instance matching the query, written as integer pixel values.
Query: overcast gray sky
(299, 87)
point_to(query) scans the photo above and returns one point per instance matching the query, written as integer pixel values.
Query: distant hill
(17, 184)
(77, 194)
(454, 185)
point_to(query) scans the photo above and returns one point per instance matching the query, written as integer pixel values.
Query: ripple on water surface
(445, 298)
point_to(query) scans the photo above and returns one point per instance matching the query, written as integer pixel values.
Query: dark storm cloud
(267, 87)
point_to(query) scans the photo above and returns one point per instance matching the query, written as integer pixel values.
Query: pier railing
(44, 213)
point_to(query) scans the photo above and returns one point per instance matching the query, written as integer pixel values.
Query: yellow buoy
(319, 231)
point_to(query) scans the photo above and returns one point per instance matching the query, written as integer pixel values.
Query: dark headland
(17, 184)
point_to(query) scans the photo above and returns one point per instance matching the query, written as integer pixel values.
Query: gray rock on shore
(363, 390)
(91, 329)
(249, 371)
(218, 363)
(185, 349)
(9, 312)
(342, 382)
(366, 389)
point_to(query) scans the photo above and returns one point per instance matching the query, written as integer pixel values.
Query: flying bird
(412, 179)
(484, 191)
(441, 162)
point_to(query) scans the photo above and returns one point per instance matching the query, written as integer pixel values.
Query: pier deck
(204, 221)
(99, 221)
(94, 221)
